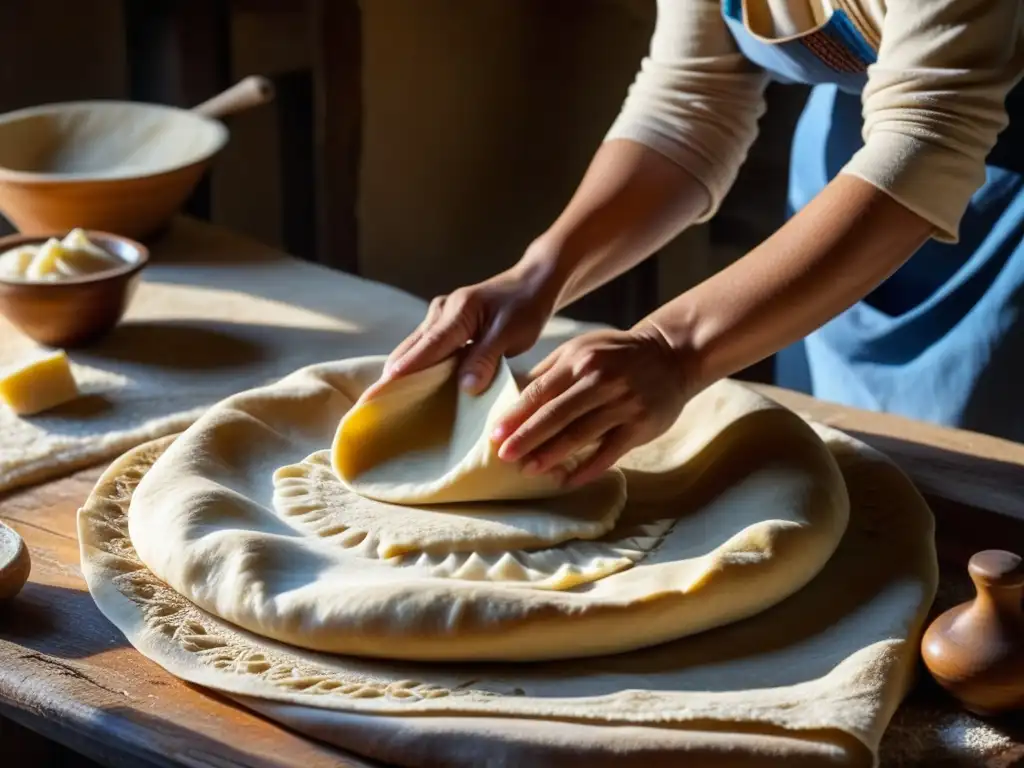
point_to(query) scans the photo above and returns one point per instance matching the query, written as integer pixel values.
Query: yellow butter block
(38, 385)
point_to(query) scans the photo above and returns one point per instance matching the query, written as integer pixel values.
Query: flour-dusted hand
(615, 389)
(502, 316)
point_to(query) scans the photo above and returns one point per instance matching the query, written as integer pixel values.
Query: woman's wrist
(675, 330)
(830, 255)
(549, 268)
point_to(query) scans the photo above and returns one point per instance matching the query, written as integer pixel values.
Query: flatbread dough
(753, 521)
(812, 681)
(312, 495)
(420, 440)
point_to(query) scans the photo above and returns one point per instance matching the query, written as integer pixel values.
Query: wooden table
(68, 675)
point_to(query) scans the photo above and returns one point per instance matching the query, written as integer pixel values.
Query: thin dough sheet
(420, 440)
(740, 514)
(812, 681)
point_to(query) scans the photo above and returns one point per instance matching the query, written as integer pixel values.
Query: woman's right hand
(502, 316)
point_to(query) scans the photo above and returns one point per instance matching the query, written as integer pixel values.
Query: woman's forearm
(631, 202)
(842, 245)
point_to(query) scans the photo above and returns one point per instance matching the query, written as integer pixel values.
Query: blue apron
(942, 339)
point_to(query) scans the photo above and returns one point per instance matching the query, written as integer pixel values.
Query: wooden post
(299, 175)
(336, 33)
(179, 53)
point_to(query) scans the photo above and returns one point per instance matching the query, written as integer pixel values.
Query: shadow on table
(189, 352)
(182, 344)
(24, 747)
(158, 369)
(932, 730)
(57, 621)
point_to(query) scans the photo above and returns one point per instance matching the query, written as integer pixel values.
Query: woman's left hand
(615, 389)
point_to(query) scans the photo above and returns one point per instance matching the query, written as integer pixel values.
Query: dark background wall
(478, 120)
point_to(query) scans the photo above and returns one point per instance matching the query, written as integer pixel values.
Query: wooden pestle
(976, 650)
(245, 94)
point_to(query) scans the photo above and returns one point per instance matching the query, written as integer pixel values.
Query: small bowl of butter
(68, 289)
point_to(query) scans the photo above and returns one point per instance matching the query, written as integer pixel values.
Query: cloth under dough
(812, 681)
(761, 510)
(421, 440)
(215, 313)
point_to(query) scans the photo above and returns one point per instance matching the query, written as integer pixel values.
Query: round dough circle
(743, 512)
(835, 656)
(312, 493)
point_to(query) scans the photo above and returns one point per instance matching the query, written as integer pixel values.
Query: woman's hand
(502, 316)
(615, 389)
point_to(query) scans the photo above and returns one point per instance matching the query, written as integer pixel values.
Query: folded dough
(811, 681)
(311, 495)
(759, 508)
(422, 440)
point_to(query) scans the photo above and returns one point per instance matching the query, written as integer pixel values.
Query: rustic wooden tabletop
(69, 676)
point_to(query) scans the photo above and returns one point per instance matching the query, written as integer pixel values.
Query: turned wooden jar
(15, 563)
(976, 650)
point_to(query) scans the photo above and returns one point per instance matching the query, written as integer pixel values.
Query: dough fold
(420, 440)
(811, 681)
(737, 508)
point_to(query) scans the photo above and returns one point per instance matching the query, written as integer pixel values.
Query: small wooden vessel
(73, 312)
(976, 650)
(15, 562)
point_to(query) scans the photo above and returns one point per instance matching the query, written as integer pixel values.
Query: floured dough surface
(730, 524)
(813, 680)
(312, 494)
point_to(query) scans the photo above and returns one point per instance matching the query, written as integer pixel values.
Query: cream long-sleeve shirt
(933, 105)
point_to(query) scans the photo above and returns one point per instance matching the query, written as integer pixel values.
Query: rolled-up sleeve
(934, 104)
(696, 99)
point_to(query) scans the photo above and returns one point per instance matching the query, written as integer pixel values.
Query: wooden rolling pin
(976, 650)
(15, 563)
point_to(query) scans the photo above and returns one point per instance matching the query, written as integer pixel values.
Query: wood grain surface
(68, 674)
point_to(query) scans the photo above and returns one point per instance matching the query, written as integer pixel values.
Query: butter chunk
(74, 256)
(15, 263)
(81, 256)
(38, 385)
(44, 265)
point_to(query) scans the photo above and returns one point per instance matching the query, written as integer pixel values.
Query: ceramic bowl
(109, 166)
(112, 166)
(76, 311)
